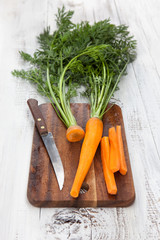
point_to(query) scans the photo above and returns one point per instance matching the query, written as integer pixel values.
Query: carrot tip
(112, 192)
(74, 133)
(113, 170)
(74, 194)
(123, 172)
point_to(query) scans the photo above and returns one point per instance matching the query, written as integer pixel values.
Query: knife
(48, 141)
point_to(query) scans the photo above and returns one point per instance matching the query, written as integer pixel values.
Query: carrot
(123, 166)
(74, 133)
(94, 129)
(108, 174)
(114, 152)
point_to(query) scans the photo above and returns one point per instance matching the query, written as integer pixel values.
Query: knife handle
(37, 115)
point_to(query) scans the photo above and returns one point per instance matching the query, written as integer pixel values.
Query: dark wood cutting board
(43, 190)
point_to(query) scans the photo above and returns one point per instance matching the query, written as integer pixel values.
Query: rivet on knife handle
(37, 115)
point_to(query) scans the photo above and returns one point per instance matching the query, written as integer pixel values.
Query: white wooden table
(139, 97)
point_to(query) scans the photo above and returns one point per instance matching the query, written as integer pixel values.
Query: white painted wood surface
(139, 97)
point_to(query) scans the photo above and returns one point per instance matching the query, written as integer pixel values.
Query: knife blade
(48, 141)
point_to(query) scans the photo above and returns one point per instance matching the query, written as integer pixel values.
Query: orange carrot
(94, 129)
(74, 133)
(114, 162)
(108, 174)
(123, 166)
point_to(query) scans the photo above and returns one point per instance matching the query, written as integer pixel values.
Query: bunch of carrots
(102, 83)
(95, 57)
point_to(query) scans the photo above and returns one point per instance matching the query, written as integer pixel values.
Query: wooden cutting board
(43, 190)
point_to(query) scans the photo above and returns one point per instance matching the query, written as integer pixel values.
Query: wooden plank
(142, 114)
(20, 22)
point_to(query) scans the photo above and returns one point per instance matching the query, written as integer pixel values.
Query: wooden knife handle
(37, 115)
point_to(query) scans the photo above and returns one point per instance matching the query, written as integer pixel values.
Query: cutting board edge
(81, 204)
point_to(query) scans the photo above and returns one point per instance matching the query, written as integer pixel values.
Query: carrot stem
(123, 165)
(108, 174)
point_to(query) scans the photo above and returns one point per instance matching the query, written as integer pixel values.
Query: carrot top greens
(95, 56)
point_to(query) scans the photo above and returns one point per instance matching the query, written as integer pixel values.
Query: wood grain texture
(43, 190)
(138, 97)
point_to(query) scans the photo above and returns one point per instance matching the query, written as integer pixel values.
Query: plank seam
(150, 52)
(40, 212)
(146, 113)
(119, 19)
(138, 84)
